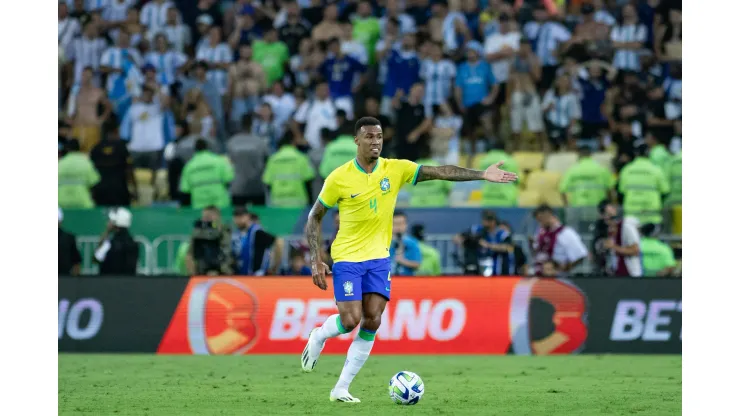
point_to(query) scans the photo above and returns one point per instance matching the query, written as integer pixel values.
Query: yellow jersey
(366, 202)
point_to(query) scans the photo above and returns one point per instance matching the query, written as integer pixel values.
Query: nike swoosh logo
(354, 195)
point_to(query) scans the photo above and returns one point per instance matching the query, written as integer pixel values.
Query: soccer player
(365, 190)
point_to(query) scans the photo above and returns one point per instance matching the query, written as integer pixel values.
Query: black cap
(489, 215)
(239, 210)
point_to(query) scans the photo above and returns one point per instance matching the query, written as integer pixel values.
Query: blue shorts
(353, 279)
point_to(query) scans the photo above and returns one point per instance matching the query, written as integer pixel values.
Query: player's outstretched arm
(458, 174)
(313, 235)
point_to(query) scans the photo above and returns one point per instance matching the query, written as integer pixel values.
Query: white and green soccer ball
(406, 388)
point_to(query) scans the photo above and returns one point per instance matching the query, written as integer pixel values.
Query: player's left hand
(494, 174)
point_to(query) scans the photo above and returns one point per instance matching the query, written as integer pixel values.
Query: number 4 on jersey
(374, 205)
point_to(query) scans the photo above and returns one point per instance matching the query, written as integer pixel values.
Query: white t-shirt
(630, 236)
(569, 247)
(283, 107)
(147, 126)
(316, 115)
(496, 42)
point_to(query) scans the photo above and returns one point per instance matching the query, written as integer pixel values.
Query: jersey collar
(357, 165)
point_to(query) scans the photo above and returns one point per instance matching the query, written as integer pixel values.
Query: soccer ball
(406, 388)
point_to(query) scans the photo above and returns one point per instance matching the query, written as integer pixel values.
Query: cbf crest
(348, 288)
(385, 185)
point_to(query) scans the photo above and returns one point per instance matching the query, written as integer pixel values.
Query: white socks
(330, 329)
(356, 357)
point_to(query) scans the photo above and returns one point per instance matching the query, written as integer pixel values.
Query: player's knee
(350, 320)
(372, 321)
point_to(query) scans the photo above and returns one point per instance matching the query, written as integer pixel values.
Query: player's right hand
(319, 275)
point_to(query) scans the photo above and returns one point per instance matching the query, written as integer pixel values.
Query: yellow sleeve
(409, 170)
(330, 192)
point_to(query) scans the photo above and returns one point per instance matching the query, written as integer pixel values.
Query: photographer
(256, 252)
(405, 251)
(210, 250)
(487, 248)
(557, 244)
(616, 243)
(117, 253)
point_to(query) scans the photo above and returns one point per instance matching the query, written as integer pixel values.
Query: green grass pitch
(455, 385)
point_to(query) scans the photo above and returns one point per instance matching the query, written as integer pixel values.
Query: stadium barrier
(427, 315)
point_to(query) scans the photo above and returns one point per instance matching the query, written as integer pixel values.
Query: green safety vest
(76, 175)
(586, 183)
(206, 177)
(431, 264)
(430, 193)
(656, 256)
(673, 171)
(643, 184)
(286, 174)
(495, 156)
(338, 152)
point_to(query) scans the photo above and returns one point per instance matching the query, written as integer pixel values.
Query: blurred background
(194, 135)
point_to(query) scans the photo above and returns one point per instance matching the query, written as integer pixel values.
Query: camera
(471, 250)
(207, 251)
(600, 231)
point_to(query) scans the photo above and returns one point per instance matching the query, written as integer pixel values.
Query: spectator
(445, 135)
(586, 183)
(206, 177)
(210, 93)
(314, 115)
(113, 161)
(143, 126)
(431, 263)
(154, 14)
(366, 29)
(167, 62)
(419, 10)
(394, 10)
(657, 257)
(429, 194)
(628, 38)
(403, 68)
(414, 123)
(602, 15)
(133, 27)
(117, 252)
(524, 101)
(500, 51)
(210, 246)
(247, 80)
(563, 111)
(294, 29)
(556, 243)
(67, 27)
(305, 62)
(83, 110)
(340, 71)
(448, 27)
(503, 195)
(622, 244)
(76, 176)
(248, 154)
(272, 54)
(86, 51)
(471, 11)
(520, 259)
(69, 258)
(255, 251)
(390, 41)
(298, 265)
(351, 47)
(288, 175)
(591, 36)
(314, 12)
(218, 56)
(404, 252)
(476, 90)
(203, 25)
(497, 248)
(266, 128)
(339, 151)
(643, 187)
(439, 75)
(594, 80)
(668, 38)
(122, 63)
(548, 37)
(178, 35)
(328, 28)
(283, 104)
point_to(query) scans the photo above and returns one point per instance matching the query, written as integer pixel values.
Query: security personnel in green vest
(673, 171)
(643, 187)
(338, 152)
(431, 263)
(288, 175)
(76, 175)
(658, 153)
(499, 195)
(657, 256)
(429, 193)
(206, 178)
(586, 183)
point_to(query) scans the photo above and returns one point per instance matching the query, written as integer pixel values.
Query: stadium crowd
(219, 103)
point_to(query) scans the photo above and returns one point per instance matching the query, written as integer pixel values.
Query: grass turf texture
(455, 385)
